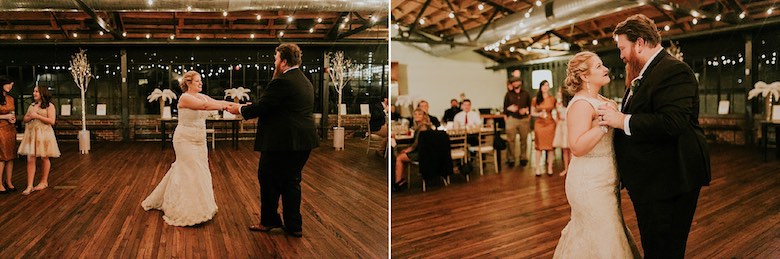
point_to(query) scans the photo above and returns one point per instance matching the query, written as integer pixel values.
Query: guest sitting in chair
(421, 123)
(423, 104)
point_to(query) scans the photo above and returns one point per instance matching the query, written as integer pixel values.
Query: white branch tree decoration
(338, 69)
(79, 68)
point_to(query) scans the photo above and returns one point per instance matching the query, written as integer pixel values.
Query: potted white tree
(79, 68)
(338, 69)
(162, 96)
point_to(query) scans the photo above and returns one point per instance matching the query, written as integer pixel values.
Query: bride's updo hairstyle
(578, 65)
(187, 78)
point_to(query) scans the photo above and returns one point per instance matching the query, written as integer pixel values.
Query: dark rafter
(487, 24)
(498, 6)
(333, 32)
(432, 41)
(57, 22)
(98, 20)
(416, 21)
(457, 19)
(366, 25)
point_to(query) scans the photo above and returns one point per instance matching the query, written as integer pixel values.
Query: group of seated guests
(422, 120)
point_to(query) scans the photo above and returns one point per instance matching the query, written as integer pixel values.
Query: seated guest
(394, 115)
(449, 114)
(378, 115)
(467, 117)
(421, 123)
(424, 106)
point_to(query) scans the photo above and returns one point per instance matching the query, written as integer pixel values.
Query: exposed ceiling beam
(102, 24)
(487, 24)
(333, 32)
(416, 21)
(430, 41)
(498, 6)
(458, 20)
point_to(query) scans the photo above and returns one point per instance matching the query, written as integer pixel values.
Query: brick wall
(354, 125)
(724, 130)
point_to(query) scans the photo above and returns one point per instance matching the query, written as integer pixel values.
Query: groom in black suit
(285, 137)
(661, 154)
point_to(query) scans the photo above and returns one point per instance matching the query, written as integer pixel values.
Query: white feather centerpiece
(162, 96)
(768, 91)
(238, 94)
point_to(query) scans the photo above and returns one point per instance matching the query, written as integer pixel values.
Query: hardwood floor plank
(93, 207)
(518, 215)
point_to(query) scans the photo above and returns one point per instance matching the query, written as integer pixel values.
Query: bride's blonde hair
(187, 77)
(578, 65)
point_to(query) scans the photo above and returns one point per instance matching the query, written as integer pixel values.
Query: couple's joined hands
(234, 108)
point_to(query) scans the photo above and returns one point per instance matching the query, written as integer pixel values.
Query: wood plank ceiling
(41, 26)
(440, 21)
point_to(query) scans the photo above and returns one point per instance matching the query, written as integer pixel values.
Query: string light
(718, 17)
(47, 36)
(189, 8)
(252, 35)
(224, 13)
(695, 21)
(595, 42)
(75, 35)
(101, 33)
(197, 37)
(258, 17)
(451, 15)
(742, 15)
(666, 28)
(538, 3)
(148, 35)
(281, 34)
(481, 7)
(319, 19)
(289, 19)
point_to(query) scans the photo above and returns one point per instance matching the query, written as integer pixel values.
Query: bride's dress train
(596, 228)
(185, 194)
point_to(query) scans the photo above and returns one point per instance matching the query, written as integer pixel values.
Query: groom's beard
(633, 67)
(277, 71)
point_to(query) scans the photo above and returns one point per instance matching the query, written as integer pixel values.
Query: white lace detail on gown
(185, 194)
(596, 228)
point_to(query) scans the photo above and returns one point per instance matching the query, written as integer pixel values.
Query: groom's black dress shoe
(262, 228)
(294, 233)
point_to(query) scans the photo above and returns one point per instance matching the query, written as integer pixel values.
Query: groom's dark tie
(625, 100)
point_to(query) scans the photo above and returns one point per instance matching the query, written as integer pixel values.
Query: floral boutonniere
(635, 83)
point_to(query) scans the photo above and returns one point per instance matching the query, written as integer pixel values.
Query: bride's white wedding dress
(185, 194)
(596, 228)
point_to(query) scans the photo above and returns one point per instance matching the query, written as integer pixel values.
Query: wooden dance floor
(92, 208)
(518, 215)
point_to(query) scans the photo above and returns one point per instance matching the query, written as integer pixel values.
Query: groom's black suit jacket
(284, 111)
(666, 154)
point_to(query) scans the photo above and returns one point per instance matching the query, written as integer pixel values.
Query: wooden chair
(213, 136)
(485, 148)
(374, 142)
(459, 148)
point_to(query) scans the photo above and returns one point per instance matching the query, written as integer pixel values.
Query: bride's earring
(587, 86)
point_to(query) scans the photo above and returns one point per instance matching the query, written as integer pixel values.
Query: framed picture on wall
(101, 109)
(65, 110)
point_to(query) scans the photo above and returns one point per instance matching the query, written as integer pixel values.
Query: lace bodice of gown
(604, 147)
(193, 118)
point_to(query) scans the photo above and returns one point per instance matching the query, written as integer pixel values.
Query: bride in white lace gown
(185, 193)
(596, 228)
